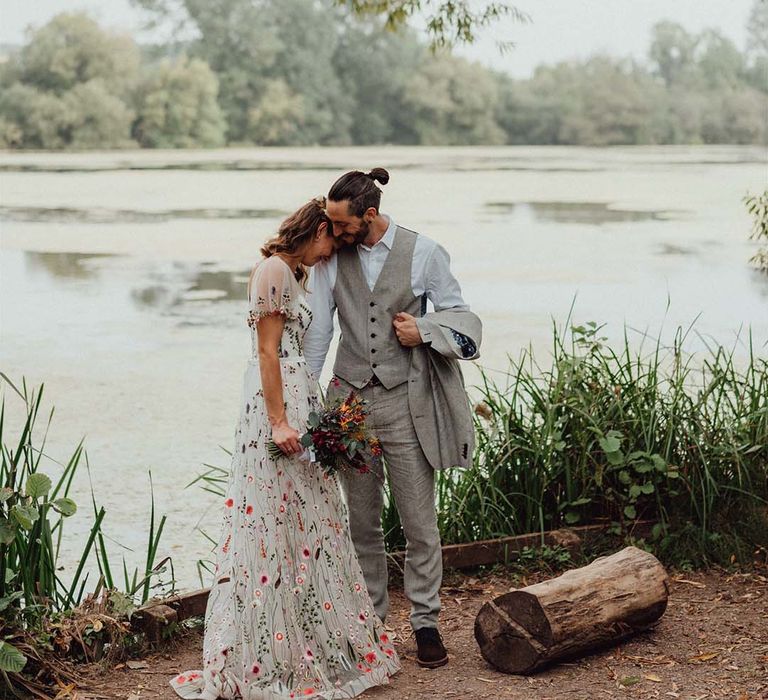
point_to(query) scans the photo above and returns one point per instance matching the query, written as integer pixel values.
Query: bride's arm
(269, 331)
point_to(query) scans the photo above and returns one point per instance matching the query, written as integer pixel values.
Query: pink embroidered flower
(256, 669)
(300, 580)
(327, 605)
(309, 657)
(306, 553)
(264, 580)
(279, 636)
(282, 508)
(361, 618)
(302, 567)
(358, 588)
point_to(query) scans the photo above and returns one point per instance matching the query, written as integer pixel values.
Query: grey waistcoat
(368, 342)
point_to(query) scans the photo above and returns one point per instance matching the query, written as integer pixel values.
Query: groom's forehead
(339, 211)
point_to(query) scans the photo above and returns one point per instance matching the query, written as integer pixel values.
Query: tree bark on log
(608, 600)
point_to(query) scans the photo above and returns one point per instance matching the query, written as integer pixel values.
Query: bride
(288, 615)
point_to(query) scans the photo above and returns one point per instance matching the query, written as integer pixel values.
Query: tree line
(299, 72)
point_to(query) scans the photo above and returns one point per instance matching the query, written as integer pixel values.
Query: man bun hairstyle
(359, 190)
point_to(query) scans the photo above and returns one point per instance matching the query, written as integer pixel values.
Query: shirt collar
(388, 239)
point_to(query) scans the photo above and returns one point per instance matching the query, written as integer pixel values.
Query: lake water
(123, 279)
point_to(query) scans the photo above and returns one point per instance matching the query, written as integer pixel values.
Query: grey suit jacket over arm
(438, 402)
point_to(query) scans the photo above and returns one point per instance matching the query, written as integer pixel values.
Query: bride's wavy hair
(296, 231)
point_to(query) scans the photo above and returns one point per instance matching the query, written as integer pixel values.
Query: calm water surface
(123, 278)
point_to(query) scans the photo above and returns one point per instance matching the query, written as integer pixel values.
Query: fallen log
(608, 600)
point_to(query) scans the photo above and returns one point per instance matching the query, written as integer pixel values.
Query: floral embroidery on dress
(288, 614)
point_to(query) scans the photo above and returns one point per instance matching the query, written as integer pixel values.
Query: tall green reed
(616, 436)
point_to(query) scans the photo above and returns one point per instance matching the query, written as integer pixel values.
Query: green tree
(757, 28)
(673, 53)
(68, 87)
(308, 36)
(177, 106)
(34, 119)
(95, 118)
(735, 116)
(450, 101)
(278, 118)
(374, 66)
(250, 44)
(73, 49)
(719, 62)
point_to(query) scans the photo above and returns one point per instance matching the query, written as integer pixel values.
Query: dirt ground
(712, 642)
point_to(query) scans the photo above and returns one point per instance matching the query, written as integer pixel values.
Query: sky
(559, 29)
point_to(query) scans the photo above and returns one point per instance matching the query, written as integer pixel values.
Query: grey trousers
(412, 483)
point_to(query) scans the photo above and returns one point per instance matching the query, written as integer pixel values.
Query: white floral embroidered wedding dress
(288, 614)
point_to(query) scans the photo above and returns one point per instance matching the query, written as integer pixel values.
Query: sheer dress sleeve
(273, 291)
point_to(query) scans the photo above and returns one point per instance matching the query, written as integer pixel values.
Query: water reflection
(173, 293)
(72, 265)
(64, 215)
(593, 213)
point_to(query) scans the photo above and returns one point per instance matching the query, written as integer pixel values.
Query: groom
(402, 361)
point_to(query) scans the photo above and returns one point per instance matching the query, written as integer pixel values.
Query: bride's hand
(286, 438)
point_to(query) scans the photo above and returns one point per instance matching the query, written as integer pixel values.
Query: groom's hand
(406, 330)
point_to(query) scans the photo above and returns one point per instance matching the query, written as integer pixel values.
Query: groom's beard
(362, 234)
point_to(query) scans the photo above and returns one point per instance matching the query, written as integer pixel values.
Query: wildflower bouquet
(338, 438)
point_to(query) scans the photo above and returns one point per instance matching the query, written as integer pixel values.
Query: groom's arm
(320, 299)
(444, 291)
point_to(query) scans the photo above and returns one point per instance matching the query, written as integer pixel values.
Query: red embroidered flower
(370, 657)
(256, 670)
(229, 503)
(249, 510)
(384, 638)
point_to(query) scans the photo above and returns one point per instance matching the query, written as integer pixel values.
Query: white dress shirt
(430, 275)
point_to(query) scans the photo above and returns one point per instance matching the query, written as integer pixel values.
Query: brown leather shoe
(431, 652)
